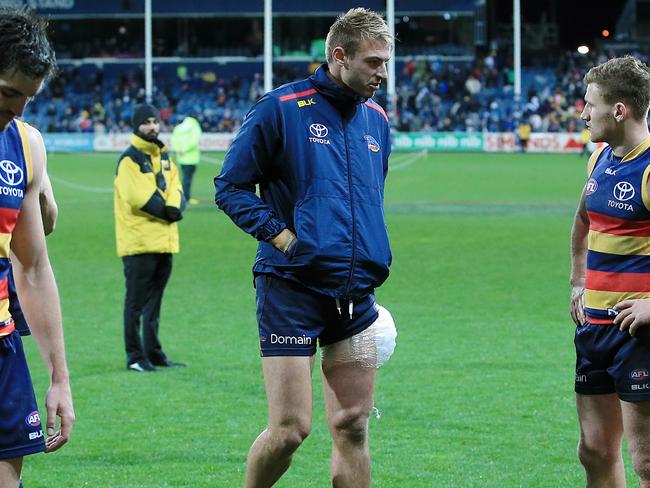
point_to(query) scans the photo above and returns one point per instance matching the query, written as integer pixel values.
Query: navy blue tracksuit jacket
(320, 156)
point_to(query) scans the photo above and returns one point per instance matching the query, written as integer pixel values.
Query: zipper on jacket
(354, 224)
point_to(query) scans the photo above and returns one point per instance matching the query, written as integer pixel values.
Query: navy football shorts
(611, 361)
(21, 432)
(292, 318)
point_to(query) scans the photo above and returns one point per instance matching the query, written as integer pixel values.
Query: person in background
(523, 132)
(585, 138)
(185, 142)
(148, 202)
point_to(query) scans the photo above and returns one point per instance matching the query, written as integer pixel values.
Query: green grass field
(478, 393)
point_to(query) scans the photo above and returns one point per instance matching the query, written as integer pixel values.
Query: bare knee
(290, 435)
(351, 425)
(598, 456)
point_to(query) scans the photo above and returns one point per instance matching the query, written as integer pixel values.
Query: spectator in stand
(523, 133)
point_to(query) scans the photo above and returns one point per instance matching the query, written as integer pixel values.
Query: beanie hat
(141, 113)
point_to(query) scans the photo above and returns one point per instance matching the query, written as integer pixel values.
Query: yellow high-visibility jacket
(148, 200)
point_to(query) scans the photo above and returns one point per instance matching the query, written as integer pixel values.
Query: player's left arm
(49, 208)
(40, 300)
(634, 313)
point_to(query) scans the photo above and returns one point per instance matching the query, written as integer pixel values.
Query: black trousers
(146, 276)
(188, 175)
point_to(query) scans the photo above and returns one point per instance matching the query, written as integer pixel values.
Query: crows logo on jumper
(372, 144)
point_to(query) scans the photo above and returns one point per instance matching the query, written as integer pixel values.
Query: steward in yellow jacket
(148, 202)
(148, 199)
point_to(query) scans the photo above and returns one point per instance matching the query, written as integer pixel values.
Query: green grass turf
(478, 393)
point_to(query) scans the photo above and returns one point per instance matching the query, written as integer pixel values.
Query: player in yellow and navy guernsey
(610, 276)
(27, 61)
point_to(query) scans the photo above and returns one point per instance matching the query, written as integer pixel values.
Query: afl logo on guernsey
(33, 419)
(591, 186)
(623, 191)
(639, 374)
(10, 173)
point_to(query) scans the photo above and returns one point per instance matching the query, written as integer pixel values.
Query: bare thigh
(601, 421)
(10, 472)
(288, 389)
(348, 390)
(636, 417)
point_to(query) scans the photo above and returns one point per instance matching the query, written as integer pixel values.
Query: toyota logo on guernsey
(10, 173)
(623, 191)
(319, 131)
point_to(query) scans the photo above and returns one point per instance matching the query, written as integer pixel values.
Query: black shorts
(21, 431)
(611, 361)
(291, 318)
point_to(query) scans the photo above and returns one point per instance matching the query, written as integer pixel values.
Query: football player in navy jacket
(318, 149)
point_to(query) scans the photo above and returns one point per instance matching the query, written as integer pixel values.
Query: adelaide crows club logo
(372, 144)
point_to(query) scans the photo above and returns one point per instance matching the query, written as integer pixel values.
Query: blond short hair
(353, 27)
(625, 80)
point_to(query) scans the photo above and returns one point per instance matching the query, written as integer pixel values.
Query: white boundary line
(404, 162)
(75, 186)
(210, 160)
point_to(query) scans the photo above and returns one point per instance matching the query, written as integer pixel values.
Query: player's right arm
(579, 233)
(40, 300)
(248, 162)
(579, 246)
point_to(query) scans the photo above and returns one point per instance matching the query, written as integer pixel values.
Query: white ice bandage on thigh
(370, 348)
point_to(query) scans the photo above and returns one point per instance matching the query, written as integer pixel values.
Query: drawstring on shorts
(350, 307)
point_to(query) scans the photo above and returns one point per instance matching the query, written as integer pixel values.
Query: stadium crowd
(479, 97)
(432, 96)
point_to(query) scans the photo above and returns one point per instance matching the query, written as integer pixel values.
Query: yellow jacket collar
(153, 148)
